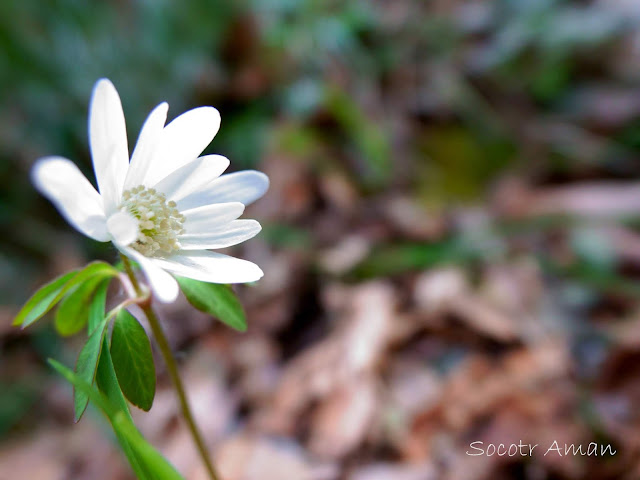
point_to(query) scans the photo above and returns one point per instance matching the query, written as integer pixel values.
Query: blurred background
(451, 238)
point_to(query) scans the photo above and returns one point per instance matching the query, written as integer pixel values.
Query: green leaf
(73, 312)
(216, 299)
(107, 380)
(87, 365)
(133, 360)
(42, 301)
(395, 259)
(92, 270)
(108, 384)
(149, 463)
(106, 376)
(97, 307)
(367, 136)
(54, 293)
(150, 459)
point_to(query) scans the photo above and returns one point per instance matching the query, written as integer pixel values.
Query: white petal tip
(211, 116)
(39, 171)
(260, 274)
(102, 86)
(252, 274)
(162, 107)
(260, 183)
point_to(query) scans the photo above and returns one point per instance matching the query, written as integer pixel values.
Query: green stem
(172, 368)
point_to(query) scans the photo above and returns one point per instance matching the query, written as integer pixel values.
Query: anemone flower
(167, 207)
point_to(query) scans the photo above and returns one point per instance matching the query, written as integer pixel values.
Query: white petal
(232, 233)
(205, 219)
(244, 187)
(108, 141)
(164, 286)
(67, 188)
(192, 176)
(148, 140)
(123, 228)
(182, 141)
(210, 267)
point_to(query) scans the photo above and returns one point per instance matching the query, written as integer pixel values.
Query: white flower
(167, 207)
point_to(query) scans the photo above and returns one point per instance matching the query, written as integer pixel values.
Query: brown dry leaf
(388, 471)
(352, 350)
(211, 403)
(436, 289)
(412, 220)
(256, 358)
(617, 397)
(482, 317)
(624, 242)
(478, 389)
(446, 291)
(247, 457)
(605, 199)
(81, 453)
(341, 422)
(345, 255)
(626, 331)
(289, 194)
(338, 191)
(413, 388)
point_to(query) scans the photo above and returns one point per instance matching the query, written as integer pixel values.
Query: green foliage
(73, 313)
(42, 301)
(136, 376)
(368, 137)
(133, 360)
(49, 295)
(86, 366)
(107, 380)
(97, 306)
(396, 259)
(147, 462)
(461, 164)
(215, 299)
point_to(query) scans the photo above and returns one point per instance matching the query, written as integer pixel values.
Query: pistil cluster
(159, 221)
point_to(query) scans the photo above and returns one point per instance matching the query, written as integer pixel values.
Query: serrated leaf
(86, 367)
(42, 301)
(53, 295)
(148, 463)
(133, 360)
(73, 312)
(215, 299)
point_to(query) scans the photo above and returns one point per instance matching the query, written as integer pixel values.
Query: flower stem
(172, 368)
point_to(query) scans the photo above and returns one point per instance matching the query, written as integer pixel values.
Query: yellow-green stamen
(159, 221)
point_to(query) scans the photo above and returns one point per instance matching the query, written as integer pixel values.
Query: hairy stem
(172, 368)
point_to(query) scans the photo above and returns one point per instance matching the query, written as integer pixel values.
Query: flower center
(159, 221)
